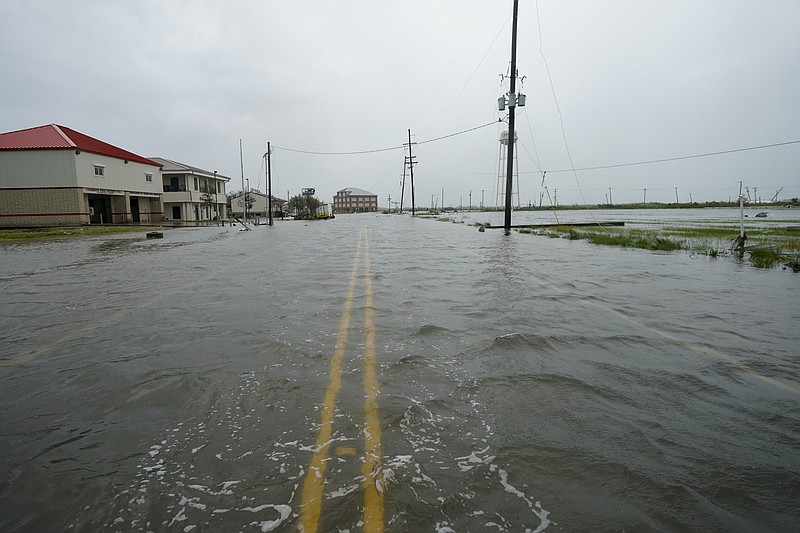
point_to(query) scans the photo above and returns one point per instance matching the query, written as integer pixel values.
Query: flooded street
(382, 370)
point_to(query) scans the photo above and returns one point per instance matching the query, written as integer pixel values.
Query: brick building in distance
(353, 200)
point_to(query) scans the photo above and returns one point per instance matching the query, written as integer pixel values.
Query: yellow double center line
(313, 486)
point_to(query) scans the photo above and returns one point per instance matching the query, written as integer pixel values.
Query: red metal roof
(54, 137)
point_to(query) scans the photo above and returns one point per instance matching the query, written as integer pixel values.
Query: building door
(173, 184)
(100, 209)
(176, 212)
(135, 210)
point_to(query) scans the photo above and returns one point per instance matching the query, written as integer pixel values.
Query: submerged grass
(765, 257)
(768, 246)
(68, 231)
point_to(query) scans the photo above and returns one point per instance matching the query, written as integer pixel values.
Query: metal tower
(502, 164)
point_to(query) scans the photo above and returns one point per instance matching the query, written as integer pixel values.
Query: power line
(357, 152)
(453, 64)
(679, 158)
(459, 132)
(389, 149)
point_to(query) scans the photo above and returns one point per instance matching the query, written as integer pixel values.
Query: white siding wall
(64, 168)
(117, 174)
(37, 168)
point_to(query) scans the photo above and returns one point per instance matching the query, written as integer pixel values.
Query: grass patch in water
(712, 241)
(765, 257)
(609, 236)
(68, 231)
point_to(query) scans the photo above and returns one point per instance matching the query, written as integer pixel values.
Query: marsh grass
(608, 236)
(768, 245)
(711, 241)
(767, 257)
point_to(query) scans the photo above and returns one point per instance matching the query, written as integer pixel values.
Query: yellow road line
(373, 484)
(311, 498)
(694, 347)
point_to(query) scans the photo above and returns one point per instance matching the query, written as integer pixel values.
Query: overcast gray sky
(634, 81)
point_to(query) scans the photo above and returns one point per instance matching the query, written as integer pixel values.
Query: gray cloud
(634, 81)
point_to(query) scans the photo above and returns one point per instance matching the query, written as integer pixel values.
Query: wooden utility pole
(269, 184)
(403, 187)
(244, 194)
(512, 104)
(411, 170)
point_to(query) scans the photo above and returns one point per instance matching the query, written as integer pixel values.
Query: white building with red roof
(53, 175)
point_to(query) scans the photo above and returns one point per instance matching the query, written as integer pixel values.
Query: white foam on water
(444, 527)
(344, 491)
(180, 517)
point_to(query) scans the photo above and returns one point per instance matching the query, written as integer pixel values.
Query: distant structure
(353, 200)
(502, 163)
(192, 194)
(52, 175)
(259, 208)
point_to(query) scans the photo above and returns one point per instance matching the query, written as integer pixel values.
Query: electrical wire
(453, 101)
(389, 149)
(679, 158)
(453, 64)
(555, 99)
(458, 133)
(357, 152)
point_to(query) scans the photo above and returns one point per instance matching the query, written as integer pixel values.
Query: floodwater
(379, 370)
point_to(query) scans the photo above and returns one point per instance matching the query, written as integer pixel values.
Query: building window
(148, 176)
(195, 183)
(99, 171)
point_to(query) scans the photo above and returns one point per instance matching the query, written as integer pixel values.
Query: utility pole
(411, 162)
(269, 184)
(512, 105)
(470, 199)
(442, 198)
(390, 203)
(741, 212)
(644, 200)
(676, 196)
(482, 191)
(402, 187)
(244, 195)
(610, 200)
(555, 197)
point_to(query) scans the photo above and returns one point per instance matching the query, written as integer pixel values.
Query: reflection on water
(525, 383)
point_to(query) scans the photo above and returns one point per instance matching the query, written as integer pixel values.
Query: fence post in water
(738, 242)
